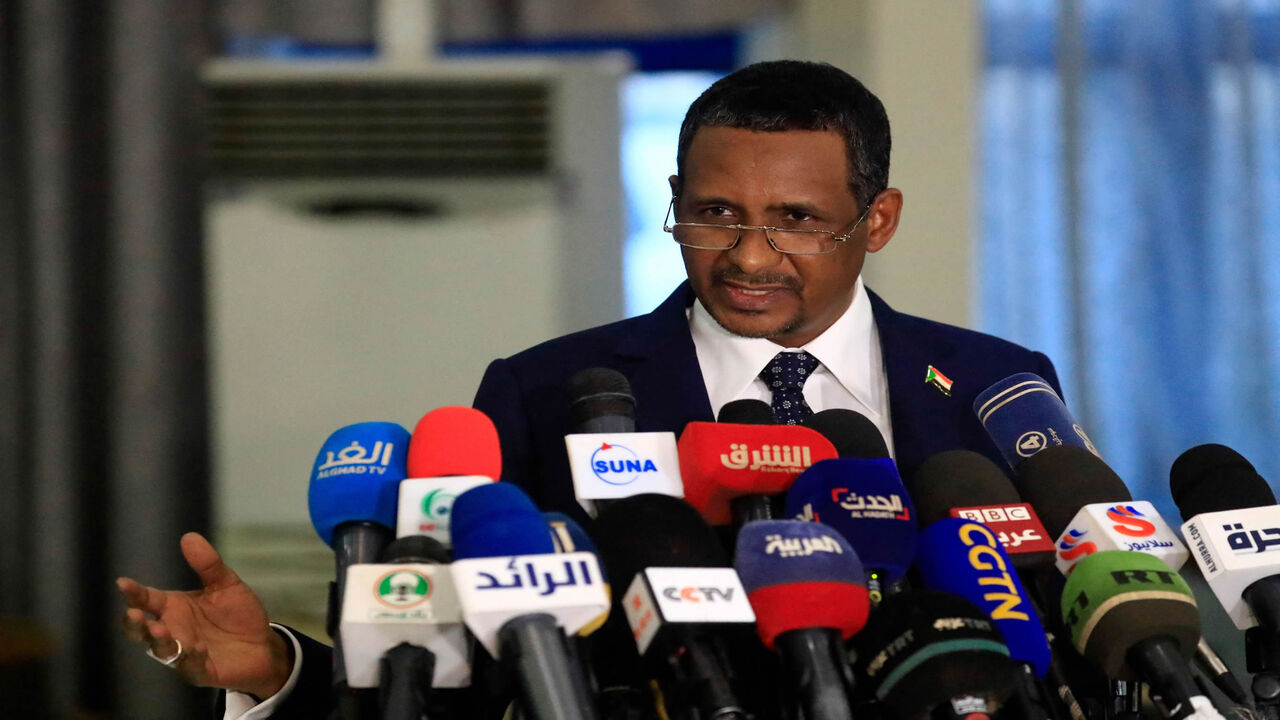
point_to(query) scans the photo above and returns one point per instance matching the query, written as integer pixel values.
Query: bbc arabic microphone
(808, 590)
(865, 501)
(682, 602)
(520, 598)
(1024, 415)
(927, 653)
(1134, 617)
(451, 450)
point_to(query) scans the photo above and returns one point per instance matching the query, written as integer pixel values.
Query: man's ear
(675, 185)
(882, 221)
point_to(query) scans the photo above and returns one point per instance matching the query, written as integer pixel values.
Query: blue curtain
(1130, 218)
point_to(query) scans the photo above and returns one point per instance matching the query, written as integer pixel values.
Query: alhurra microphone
(1212, 478)
(808, 591)
(924, 651)
(519, 597)
(1024, 415)
(452, 450)
(965, 484)
(680, 599)
(600, 401)
(1133, 617)
(864, 500)
(720, 462)
(852, 433)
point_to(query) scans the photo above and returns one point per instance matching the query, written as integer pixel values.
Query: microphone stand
(405, 682)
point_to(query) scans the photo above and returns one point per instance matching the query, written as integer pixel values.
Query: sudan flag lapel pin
(935, 378)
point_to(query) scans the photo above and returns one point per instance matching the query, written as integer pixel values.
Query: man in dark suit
(781, 190)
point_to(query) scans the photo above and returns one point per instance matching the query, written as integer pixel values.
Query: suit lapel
(662, 365)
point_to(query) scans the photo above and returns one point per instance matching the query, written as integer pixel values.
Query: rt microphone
(1024, 415)
(451, 450)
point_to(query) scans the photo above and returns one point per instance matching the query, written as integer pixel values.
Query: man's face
(794, 178)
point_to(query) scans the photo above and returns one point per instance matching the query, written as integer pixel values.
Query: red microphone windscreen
(454, 441)
(722, 461)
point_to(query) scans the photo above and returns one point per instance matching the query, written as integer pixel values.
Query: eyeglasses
(709, 236)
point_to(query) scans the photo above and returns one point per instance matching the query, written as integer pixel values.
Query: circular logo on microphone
(619, 465)
(403, 589)
(1031, 443)
(1088, 444)
(436, 506)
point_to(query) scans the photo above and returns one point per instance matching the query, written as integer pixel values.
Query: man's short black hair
(796, 95)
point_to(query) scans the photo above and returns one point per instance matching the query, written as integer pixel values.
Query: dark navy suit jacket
(524, 395)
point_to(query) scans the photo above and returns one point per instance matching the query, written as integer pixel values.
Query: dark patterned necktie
(785, 376)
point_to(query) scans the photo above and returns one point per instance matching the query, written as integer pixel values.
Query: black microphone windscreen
(651, 530)
(958, 478)
(852, 433)
(1212, 478)
(596, 392)
(415, 549)
(746, 412)
(1060, 480)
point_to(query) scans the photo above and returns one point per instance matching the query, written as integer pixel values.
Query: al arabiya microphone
(1133, 617)
(520, 598)
(809, 594)
(451, 450)
(681, 600)
(865, 501)
(1024, 415)
(931, 653)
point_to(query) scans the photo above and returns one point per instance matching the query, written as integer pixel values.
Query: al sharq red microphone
(865, 501)
(1024, 415)
(1133, 617)
(451, 450)
(809, 594)
(927, 653)
(728, 467)
(520, 598)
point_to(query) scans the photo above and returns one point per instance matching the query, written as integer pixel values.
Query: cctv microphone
(865, 501)
(451, 450)
(1134, 617)
(808, 591)
(930, 653)
(965, 484)
(852, 433)
(520, 598)
(1024, 415)
(683, 603)
(730, 469)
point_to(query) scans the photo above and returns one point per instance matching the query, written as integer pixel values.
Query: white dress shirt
(850, 374)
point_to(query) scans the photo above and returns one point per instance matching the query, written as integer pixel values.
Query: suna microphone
(727, 467)
(1133, 617)
(520, 598)
(1024, 415)
(852, 433)
(865, 501)
(927, 653)
(809, 594)
(608, 466)
(681, 600)
(452, 450)
(965, 484)
(600, 401)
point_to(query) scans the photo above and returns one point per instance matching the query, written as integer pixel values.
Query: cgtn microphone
(452, 450)
(808, 591)
(1024, 415)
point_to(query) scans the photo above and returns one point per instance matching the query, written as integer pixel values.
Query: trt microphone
(1133, 617)
(452, 450)
(721, 462)
(865, 501)
(600, 401)
(808, 591)
(965, 484)
(680, 599)
(927, 652)
(852, 433)
(517, 594)
(1024, 415)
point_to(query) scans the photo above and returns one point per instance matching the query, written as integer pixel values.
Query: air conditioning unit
(378, 232)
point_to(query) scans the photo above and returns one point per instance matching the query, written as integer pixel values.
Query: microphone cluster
(750, 570)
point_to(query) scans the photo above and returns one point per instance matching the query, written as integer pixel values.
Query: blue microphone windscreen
(356, 477)
(568, 536)
(1024, 415)
(781, 552)
(966, 558)
(865, 501)
(495, 520)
